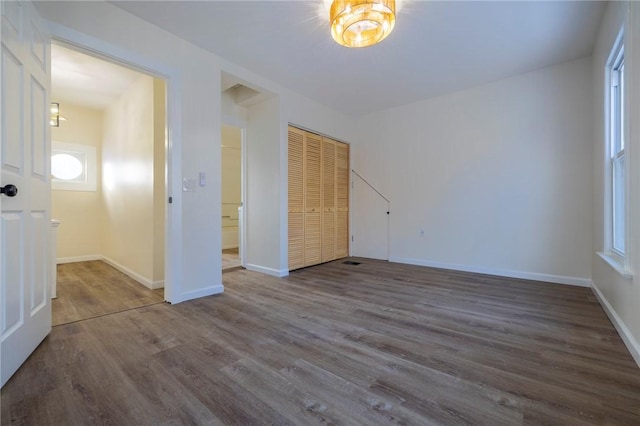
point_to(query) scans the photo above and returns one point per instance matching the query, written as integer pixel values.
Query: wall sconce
(54, 119)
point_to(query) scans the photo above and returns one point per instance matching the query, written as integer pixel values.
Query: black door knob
(9, 190)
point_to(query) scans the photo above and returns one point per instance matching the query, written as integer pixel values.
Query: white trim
(157, 284)
(556, 279)
(269, 271)
(73, 259)
(242, 210)
(631, 343)
(131, 274)
(153, 285)
(615, 262)
(203, 292)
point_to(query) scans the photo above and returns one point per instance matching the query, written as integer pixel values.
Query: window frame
(615, 140)
(617, 144)
(88, 158)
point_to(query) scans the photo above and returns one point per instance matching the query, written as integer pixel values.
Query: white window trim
(91, 166)
(615, 262)
(614, 258)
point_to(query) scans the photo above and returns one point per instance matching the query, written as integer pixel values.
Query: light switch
(202, 176)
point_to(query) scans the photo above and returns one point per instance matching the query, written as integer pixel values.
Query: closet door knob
(9, 190)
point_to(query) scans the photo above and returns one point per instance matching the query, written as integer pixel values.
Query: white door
(370, 227)
(25, 274)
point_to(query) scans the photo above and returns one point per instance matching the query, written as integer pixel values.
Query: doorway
(111, 237)
(232, 196)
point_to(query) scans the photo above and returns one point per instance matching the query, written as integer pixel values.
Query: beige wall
(79, 212)
(159, 185)
(124, 220)
(231, 184)
(128, 180)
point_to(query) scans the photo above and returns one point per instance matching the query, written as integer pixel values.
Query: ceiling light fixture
(361, 23)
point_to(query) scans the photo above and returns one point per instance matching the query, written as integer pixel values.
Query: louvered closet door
(296, 198)
(312, 200)
(328, 200)
(342, 200)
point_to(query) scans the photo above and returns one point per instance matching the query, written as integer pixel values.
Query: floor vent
(351, 262)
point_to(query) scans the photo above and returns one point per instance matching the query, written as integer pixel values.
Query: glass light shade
(66, 167)
(361, 23)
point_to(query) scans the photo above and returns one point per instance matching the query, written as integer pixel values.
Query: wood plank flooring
(230, 259)
(376, 343)
(91, 289)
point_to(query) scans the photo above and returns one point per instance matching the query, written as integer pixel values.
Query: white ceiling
(436, 47)
(84, 80)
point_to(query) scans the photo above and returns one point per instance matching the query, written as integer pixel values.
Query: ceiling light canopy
(361, 23)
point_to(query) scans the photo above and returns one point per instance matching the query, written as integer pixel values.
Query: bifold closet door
(318, 199)
(328, 200)
(312, 199)
(296, 198)
(342, 200)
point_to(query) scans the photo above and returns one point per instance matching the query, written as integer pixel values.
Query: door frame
(173, 158)
(231, 121)
(243, 197)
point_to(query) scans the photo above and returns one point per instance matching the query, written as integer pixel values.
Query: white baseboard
(73, 259)
(208, 291)
(153, 285)
(157, 284)
(134, 275)
(628, 339)
(269, 271)
(557, 279)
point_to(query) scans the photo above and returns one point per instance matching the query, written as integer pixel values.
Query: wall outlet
(188, 185)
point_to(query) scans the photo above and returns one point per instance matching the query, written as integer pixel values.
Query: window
(617, 168)
(73, 167)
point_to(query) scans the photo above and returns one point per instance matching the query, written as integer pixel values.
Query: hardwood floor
(376, 343)
(91, 289)
(230, 259)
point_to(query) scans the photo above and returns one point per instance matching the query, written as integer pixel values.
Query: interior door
(312, 199)
(25, 314)
(342, 200)
(296, 198)
(328, 200)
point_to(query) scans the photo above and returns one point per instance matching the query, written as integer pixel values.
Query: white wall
(79, 212)
(497, 176)
(263, 188)
(619, 296)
